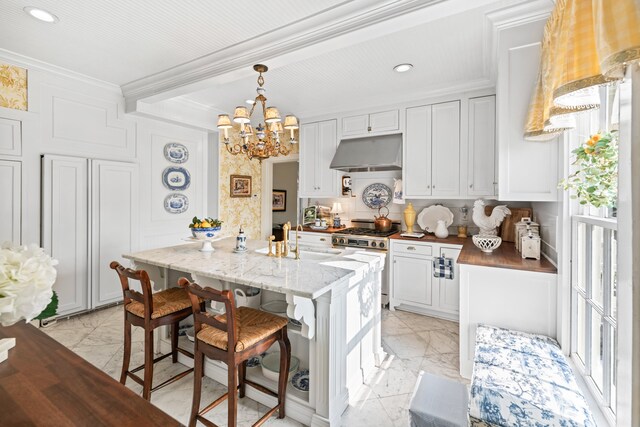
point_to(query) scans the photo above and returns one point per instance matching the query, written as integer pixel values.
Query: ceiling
(346, 61)
(446, 53)
(119, 41)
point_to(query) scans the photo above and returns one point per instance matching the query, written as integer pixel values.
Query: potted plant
(595, 180)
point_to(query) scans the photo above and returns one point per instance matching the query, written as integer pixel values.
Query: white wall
(73, 115)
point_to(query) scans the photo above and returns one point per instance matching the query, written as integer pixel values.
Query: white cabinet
(318, 143)
(527, 170)
(445, 149)
(89, 218)
(412, 280)
(364, 124)
(307, 238)
(10, 137)
(10, 194)
(432, 151)
(482, 146)
(413, 287)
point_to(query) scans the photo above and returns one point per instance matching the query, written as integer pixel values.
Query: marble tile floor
(412, 342)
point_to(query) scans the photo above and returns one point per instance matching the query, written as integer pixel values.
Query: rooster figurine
(489, 224)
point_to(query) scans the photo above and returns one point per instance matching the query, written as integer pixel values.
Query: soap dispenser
(241, 241)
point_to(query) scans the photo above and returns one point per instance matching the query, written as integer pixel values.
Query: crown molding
(509, 17)
(344, 18)
(35, 64)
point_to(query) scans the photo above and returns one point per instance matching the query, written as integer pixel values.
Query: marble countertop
(308, 278)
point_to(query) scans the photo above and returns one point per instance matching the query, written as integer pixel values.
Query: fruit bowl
(205, 232)
(487, 243)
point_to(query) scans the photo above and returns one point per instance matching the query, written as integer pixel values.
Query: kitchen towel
(443, 268)
(398, 197)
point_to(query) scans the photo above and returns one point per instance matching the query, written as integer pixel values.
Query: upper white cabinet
(432, 150)
(318, 143)
(527, 170)
(385, 121)
(482, 146)
(10, 137)
(10, 194)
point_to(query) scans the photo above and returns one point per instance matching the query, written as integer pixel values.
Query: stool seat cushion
(165, 302)
(252, 326)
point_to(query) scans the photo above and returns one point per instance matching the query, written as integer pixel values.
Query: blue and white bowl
(205, 233)
(300, 380)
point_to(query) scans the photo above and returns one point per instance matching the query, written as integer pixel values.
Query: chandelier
(265, 141)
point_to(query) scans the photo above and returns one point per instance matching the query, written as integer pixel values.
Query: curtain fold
(586, 43)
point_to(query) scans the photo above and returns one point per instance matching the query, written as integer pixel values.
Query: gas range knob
(341, 240)
(334, 240)
(373, 244)
(381, 245)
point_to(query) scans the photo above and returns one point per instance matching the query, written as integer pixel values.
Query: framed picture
(309, 215)
(279, 201)
(240, 186)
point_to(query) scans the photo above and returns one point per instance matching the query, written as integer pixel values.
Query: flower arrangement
(27, 275)
(595, 181)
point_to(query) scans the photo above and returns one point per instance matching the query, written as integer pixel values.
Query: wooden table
(43, 383)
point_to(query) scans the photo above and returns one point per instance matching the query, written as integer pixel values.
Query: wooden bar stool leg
(198, 362)
(148, 364)
(232, 370)
(285, 361)
(174, 342)
(242, 372)
(126, 358)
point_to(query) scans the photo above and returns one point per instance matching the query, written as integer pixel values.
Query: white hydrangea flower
(27, 275)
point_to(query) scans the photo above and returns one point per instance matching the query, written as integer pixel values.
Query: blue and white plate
(300, 380)
(377, 196)
(176, 178)
(176, 153)
(176, 203)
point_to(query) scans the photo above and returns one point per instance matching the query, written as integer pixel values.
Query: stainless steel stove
(364, 236)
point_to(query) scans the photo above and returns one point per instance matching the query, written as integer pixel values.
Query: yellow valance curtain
(586, 43)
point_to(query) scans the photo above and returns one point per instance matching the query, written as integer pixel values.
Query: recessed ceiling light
(41, 14)
(401, 68)
(250, 101)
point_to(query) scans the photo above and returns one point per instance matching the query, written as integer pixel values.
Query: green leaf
(51, 309)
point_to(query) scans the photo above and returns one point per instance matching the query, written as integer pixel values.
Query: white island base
(337, 299)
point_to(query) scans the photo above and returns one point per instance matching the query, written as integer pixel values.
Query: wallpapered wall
(13, 87)
(241, 211)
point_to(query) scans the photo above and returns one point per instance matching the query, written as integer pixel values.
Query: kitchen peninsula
(334, 294)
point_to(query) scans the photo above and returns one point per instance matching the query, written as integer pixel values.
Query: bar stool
(233, 338)
(149, 311)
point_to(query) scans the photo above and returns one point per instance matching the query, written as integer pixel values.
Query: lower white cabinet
(308, 238)
(10, 194)
(89, 218)
(413, 287)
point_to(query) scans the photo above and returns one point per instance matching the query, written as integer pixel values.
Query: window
(593, 277)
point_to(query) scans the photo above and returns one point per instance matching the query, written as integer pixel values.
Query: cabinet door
(527, 169)
(10, 137)
(450, 288)
(308, 156)
(482, 146)
(412, 279)
(11, 196)
(385, 121)
(65, 228)
(355, 125)
(417, 153)
(445, 151)
(114, 225)
(326, 178)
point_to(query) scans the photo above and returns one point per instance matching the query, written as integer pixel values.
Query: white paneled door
(10, 194)
(89, 218)
(65, 228)
(417, 152)
(114, 224)
(318, 143)
(482, 146)
(445, 149)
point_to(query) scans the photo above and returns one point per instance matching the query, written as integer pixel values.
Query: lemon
(205, 224)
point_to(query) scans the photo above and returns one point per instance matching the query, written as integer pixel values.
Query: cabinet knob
(428, 186)
(368, 128)
(470, 185)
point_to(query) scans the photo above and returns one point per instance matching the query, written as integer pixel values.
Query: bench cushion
(523, 379)
(438, 402)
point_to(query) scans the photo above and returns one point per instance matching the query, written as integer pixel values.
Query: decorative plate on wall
(176, 203)
(176, 178)
(377, 195)
(176, 152)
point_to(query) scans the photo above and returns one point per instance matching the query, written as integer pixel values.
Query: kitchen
(110, 162)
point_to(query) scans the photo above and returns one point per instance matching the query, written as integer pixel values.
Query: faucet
(298, 227)
(285, 230)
